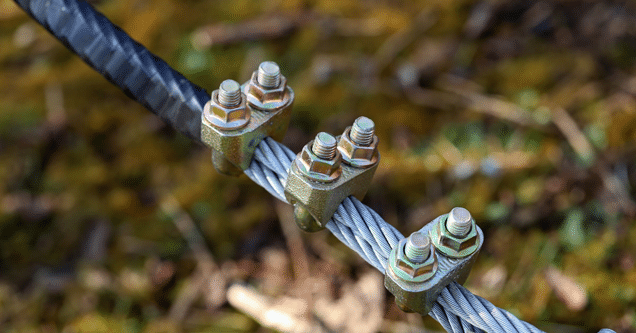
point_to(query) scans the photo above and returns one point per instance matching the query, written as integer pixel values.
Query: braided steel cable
(267, 179)
(364, 231)
(150, 81)
(124, 62)
(355, 224)
(480, 312)
(451, 322)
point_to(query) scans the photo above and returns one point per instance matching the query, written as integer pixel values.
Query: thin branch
(283, 316)
(572, 134)
(397, 42)
(207, 279)
(294, 240)
(582, 146)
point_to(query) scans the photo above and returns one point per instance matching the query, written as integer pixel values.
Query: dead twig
(397, 42)
(55, 111)
(284, 315)
(294, 241)
(581, 145)
(258, 29)
(566, 289)
(207, 279)
(572, 134)
(360, 309)
(455, 94)
(489, 105)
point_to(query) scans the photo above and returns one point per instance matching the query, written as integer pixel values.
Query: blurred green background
(522, 112)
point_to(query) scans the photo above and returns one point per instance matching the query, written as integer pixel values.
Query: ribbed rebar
(268, 74)
(362, 131)
(324, 146)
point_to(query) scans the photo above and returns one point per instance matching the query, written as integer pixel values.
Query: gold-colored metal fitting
(414, 270)
(413, 278)
(320, 165)
(456, 236)
(356, 155)
(359, 144)
(267, 89)
(233, 129)
(318, 182)
(226, 117)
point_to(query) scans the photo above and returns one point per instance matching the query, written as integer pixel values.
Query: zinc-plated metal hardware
(457, 236)
(318, 181)
(417, 248)
(359, 144)
(419, 254)
(227, 110)
(233, 128)
(320, 161)
(414, 259)
(267, 89)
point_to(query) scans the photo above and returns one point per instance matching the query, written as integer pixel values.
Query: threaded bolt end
(418, 247)
(459, 222)
(229, 93)
(324, 146)
(268, 75)
(362, 131)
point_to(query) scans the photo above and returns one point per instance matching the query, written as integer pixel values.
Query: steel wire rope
(127, 64)
(364, 231)
(153, 83)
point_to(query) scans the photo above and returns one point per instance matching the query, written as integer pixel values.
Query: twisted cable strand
(356, 225)
(267, 179)
(275, 156)
(481, 313)
(364, 231)
(466, 326)
(358, 244)
(281, 153)
(165, 92)
(354, 221)
(450, 322)
(124, 62)
(441, 317)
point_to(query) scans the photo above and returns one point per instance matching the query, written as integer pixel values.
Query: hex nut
(226, 118)
(420, 297)
(451, 245)
(267, 99)
(236, 146)
(357, 155)
(410, 271)
(317, 195)
(317, 168)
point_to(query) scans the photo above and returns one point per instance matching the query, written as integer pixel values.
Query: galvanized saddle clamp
(237, 118)
(423, 264)
(330, 169)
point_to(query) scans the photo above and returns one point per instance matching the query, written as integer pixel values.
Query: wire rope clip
(237, 118)
(328, 170)
(423, 264)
